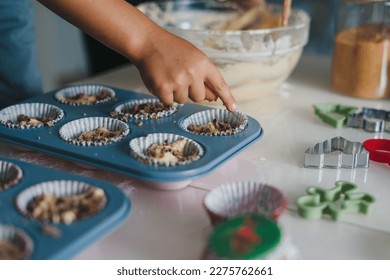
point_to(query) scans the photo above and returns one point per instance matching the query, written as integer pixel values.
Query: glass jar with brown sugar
(361, 55)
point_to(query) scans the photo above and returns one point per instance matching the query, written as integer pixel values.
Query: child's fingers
(165, 95)
(199, 92)
(215, 82)
(180, 96)
(210, 96)
(196, 91)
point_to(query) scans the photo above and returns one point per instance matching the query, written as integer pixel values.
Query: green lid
(245, 237)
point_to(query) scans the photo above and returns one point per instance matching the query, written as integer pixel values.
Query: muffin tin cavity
(94, 131)
(30, 115)
(73, 212)
(10, 175)
(61, 201)
(85, 95)
(116, 154)
(165, 149)
(215, 122)
(144, 109)
(15, 244)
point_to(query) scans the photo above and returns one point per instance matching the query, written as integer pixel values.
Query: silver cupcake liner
(71, 130)
(9, 115)
(72, 91)
(18, 238)
(139, 146)
(10, 175)
(58, 188)
(123, 108)
(237, 120)
(237, 198)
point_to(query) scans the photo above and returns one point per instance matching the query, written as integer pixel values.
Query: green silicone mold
(334, 114)
(333, 202)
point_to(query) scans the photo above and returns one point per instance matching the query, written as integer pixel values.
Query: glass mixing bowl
(253, 61)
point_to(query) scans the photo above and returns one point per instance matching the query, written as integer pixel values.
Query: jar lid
(245, 237)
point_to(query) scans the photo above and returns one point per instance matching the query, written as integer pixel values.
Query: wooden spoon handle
(286, 12)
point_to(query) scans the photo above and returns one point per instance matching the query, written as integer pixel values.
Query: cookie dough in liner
(61, 201)
(15, 244)
(237, 198)
(191, 151)
(9, 115)
(92, 94)
(145, 109)
(236, 120)
(72, 130)
(10, 175)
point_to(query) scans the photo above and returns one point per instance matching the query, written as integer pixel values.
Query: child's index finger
(217, 84)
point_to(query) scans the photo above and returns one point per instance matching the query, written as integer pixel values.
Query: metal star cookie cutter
(333, 202)
(370, 119)
(337, 153)
(333, 114)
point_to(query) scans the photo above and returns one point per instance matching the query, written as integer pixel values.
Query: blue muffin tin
(74, 237)
(116, 157)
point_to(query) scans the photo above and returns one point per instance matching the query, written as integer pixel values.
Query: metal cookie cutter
(333, 114)
(333, 202)
(372, 120)
(379, 149)
(337, 153)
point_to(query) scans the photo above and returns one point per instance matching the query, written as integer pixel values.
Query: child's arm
(171, 68)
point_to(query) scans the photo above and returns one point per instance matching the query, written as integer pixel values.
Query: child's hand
(171, 68)
(174, 70)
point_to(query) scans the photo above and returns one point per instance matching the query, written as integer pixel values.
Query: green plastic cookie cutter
(334, 114)
(333, 202)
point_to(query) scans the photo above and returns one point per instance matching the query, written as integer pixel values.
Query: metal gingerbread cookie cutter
(333, 202)
(370, 119)
(337, 153)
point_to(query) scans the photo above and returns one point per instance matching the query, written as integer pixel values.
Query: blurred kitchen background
(67, 55)
(61, 50)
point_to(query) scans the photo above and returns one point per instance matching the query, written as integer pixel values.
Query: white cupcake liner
(237, 120)
(59, 188)
(123, 108)
(10, 175)
(237, 198)
(139, 146)
(9, 115)
(19, 238)
(71, 130)
(72, 91)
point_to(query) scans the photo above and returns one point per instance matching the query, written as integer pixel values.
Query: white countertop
(174, 225)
